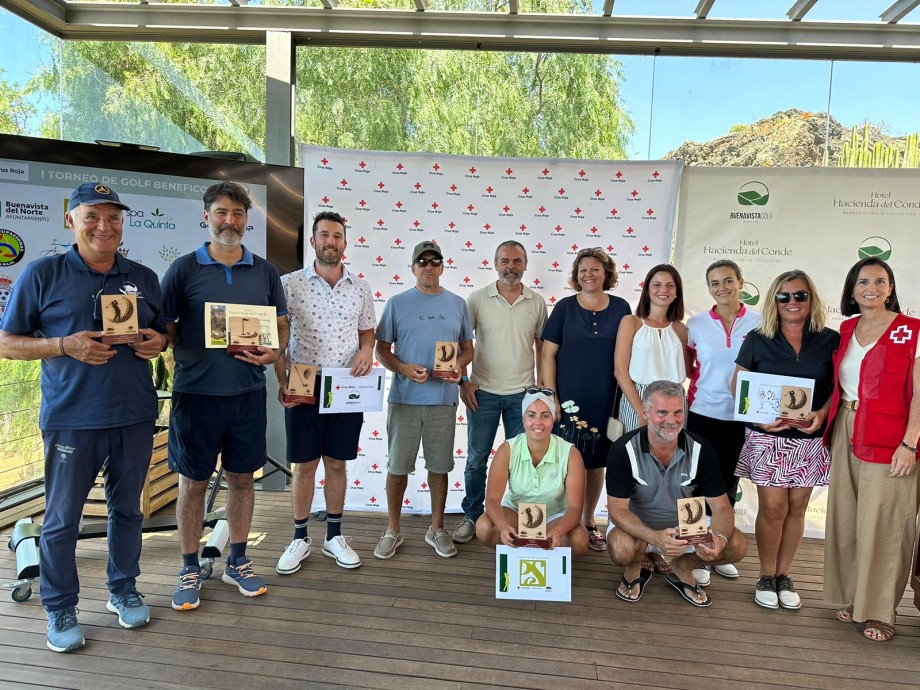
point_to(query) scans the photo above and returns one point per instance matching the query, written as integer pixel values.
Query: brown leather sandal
(878, 631)
(845, 615)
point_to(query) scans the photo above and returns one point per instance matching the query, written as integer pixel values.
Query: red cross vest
(885, 389)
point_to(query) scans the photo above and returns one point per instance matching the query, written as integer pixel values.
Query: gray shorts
(432, 425)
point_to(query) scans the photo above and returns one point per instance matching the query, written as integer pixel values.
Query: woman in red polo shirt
(874, 423)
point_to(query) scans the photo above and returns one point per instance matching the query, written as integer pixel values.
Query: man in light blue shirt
(421, 408)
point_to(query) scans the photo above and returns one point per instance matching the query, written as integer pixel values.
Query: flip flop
(661, 564)
(644, 576)
(682, 589)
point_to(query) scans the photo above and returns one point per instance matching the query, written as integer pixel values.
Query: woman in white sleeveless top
(652, 345)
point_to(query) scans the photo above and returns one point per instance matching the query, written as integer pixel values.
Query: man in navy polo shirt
(218, 403)
(98, 403)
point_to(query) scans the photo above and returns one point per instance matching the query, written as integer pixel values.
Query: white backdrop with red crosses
(469, 205)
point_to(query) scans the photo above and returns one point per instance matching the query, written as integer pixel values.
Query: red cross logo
(434, 205)
(609, 248)
(577, 211)
(453, 188)
(597, 192)
(649, 212)
(380, 222)
(324, 161)
(379, 259)
(450, 262)
(655, 174)
(472, 171)
(489, 189)
(357, 482)
(362, 203)
(362, 165)
(574, 247)
(322, 482)
(634, 193)
(361, 240)
(523, 227)
(375, 433)
(629, 230)
(456, 485)
(618, 175)
(487, 226)
(373, 500)
(506, 208)
(561, 191)
(645, 248)
(468, 244)
(536, 281)
(485, 262)
(594, 229)
(374, 466)
(613, 212)
(418, 185)
(526, 190)
(901, 334)
(539, 245)
(470, 207)
(542, 209)
(361, 276)
(325, 199)
(407, 501)
(380, 185)
(459, 452)
(582, 173)
(460, 419)
(344, 182)
(558, 228)
(397, 241)
(399, 166)
(466, 279)
(625, 267)
(546, 171)
(555, 264)
(378, 294)
(396, 278)
(552, 300)
(509, 171)
(436, 167)
(416, 223)
(424, 485)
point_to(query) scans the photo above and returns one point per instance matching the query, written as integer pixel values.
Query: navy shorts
(311, 435)
(203, 426)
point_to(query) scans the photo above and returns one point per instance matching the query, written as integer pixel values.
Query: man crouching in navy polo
(98, 403)
(218, 403)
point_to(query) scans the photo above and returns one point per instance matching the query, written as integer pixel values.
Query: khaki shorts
(432, 425)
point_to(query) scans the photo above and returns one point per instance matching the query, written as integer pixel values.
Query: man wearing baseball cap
(98, 402)
(421, 408)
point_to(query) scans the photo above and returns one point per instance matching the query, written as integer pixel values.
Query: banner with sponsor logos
(820, 220)
(469, 205)
(165, 220)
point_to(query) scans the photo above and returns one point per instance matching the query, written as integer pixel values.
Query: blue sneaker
(242, 575)
(64, 634)
(132, 611)
(186, 595)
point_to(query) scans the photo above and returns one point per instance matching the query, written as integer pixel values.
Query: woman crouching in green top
(536, 467)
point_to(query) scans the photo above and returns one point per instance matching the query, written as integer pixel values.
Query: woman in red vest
(874, 423)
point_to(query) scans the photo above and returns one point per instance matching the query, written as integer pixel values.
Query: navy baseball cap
(92, 193)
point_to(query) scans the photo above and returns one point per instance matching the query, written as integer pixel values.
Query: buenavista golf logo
(750, 295)
(876, 247)
(753, 194)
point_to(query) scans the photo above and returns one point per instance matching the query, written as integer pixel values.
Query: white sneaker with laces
(290, 560)
(344, 555)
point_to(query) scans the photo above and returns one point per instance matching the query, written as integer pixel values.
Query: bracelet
(912, 449)
(722, 537)
(61, 345)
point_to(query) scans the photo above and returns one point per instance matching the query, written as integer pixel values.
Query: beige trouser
(870, 531)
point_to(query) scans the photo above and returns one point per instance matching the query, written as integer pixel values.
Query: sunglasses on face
(532, 390)
(425, 262)
(798, 296)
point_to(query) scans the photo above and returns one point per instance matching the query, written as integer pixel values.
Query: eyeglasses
(799, 296)
(532, 390)
(425, 262)
(588, 250)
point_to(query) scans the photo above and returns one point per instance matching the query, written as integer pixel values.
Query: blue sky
(697, 98)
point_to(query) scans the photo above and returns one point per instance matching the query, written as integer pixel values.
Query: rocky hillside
(790, 139)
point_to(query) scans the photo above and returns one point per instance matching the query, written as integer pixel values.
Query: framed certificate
(342, 392)
(764, 398)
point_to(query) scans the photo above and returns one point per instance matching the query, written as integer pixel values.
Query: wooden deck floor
(419, 621)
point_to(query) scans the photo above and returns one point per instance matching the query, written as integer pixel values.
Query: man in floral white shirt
(332, 325)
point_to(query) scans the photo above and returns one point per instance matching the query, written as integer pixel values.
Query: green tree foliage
(15, 109)
(190, 96)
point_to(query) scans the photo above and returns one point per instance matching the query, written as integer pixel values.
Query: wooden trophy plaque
(445, 360)
(691, 521)
(243, 335)
(302, 384)
(119, 319)
(532, 526)
(795, 406)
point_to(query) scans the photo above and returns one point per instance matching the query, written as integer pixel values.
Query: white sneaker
(702, 575)
(785, 590)
(765, 592)
(297, 551)
(728, 570)
(344, 555)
